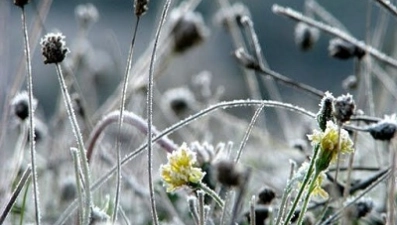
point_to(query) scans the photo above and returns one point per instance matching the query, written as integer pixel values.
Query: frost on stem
(53, 48)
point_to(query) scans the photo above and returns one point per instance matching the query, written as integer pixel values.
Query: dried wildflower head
(53, 48)
(86, 14)
(21, 3)
(20, 105)
(188, 29)
(266, 196)
(68, 189)
(359, 209)
(328, 143)
(261, 214)
(140, 7)
(180, 169)
(306, 36)
(229, 173)
(179, 100)
(385, 129)
(344, 106)
(325, 113)
(341, 49)
(233, 13)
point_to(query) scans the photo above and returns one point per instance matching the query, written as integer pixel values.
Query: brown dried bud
(53, 48)
(140, 7)
(20, 105)
(21, 3)
(344, 108)
(306, 36)
(188, 30)
(341, 49)
(229, 174)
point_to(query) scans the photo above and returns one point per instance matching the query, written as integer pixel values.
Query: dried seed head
(364, 206)
(68, 189)
(233, 13)
(140, 7)
(20, 105)
(229, 174)
(350, 83)
(325, 113)
(53, 48)
(86, 14)
(341, 49)
(21, 3)
(245, 59)
(98, 216)
(179, 100)
(385, 129)
(306, 36)
(266, 196)
(188, 30)
(344, 106)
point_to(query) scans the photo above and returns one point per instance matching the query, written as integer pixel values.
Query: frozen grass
(207, 166)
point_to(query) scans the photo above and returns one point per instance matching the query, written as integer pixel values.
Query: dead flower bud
(306, 36)
(21, 3)
(20, 105)
(341, 49)
(233, 14)
(53, 48)
(140, 7)
(385, 129)
(188, 30)
(326, 110)
(229, 174)
(266, 196)
(86, 14)
(344, 106)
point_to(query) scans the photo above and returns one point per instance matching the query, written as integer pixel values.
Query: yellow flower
(317, 189)
(180, 170)
(328, 143)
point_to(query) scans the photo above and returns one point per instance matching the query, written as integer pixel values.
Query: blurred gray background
(110, 36)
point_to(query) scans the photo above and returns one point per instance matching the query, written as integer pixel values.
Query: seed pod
(325, 112)
(383, 130)
(140, 7)
(53, 48)
(341, 49)
(188, 30)
(344, 108)
(266, 196)
(229, 174)
(306, 36)
(20, 105)
(21, 3)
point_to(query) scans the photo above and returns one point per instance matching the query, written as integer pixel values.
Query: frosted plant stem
(25, 177)
(303, 186)
(248, 132)
(307, 198)
(80, 144)
(285, 197)
(150, 112)
(179, 125)
(120, 122)
(392, 185)
(389, 6)
(336, 32)
(31, 119)
(212, 194)
(252, 211)
(77, 166)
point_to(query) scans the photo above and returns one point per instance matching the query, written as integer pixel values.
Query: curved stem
(80, 143)
(131, 119)
(122, 104)
(307, 198)
(150, 112)
(212, 194)
(31, 118)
